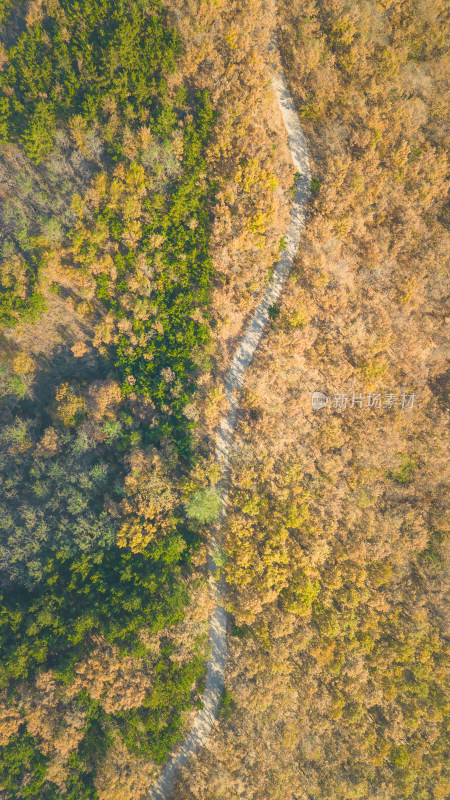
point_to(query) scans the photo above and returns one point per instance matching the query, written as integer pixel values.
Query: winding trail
(205, 719)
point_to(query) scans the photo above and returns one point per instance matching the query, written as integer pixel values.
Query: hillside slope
(337, 556)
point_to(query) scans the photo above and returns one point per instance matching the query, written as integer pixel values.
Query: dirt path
(205, 719)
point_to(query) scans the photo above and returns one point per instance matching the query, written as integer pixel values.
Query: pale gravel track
(206, 718)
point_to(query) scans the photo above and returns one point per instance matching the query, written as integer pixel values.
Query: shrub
(204, 506)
